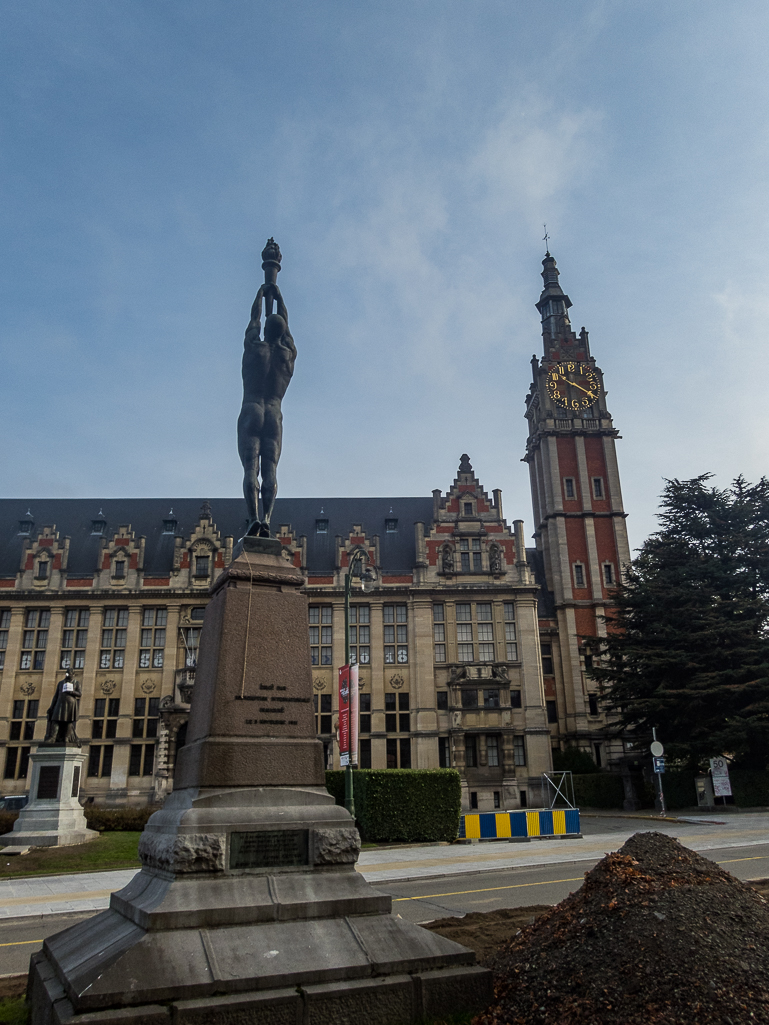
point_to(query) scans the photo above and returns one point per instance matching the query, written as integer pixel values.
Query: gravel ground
(656, 934)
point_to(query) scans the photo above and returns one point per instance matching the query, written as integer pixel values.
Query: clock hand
(575, 385)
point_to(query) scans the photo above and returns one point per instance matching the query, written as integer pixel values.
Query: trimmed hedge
(402, 805)
(117, 820)
(599, 790)
(7, 819)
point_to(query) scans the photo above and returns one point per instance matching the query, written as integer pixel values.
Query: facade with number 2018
(471, 649)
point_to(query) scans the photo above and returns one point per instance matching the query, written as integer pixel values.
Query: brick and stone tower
(578, 514)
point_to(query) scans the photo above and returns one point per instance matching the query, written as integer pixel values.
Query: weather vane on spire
(546, 239)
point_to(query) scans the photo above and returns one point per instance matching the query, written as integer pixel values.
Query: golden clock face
(573, 386)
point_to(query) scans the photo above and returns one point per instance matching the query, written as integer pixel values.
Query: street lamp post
(358, 559)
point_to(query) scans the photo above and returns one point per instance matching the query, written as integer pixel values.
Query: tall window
(145, 723)
(597, 487)
(105, 715)
(153, 638)
(113, 639)
(396, 635)
(365, 714)
(74, 638)
(470, 547)
(444, 753)
(364, 753)
(465, 647)
(568, 487)
(608, 574)
(510, 641)
(323, 721)
(100, 759)
(547, 659)
(552, 711)
(579, 574)
(398, 751)
(23, 719)
(485, 632)
(321, 618)
(5, 622)
(35, 639)
(439, 633)
(491, 698)
(191, 639)
(141, 760)
(360, 634)
(16, 762)
(519, 750)
(471, 751)
(492, 751)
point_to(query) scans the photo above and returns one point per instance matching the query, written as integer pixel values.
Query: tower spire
(553, 302)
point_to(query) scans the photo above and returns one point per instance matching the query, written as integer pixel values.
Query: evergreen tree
(688, 641)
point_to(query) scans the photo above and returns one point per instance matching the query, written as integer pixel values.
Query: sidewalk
(44, 895)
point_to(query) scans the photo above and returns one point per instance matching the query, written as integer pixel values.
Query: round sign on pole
(657, 749)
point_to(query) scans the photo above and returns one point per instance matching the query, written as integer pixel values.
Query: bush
(599, 790)
(129, 820)
(7, 819)
(750, 788)
(402, 805)
(574, 760)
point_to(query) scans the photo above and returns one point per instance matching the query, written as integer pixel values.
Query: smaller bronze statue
(63, 712)
(268, 365)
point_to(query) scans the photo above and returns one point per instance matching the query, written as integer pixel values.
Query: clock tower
(580, 532)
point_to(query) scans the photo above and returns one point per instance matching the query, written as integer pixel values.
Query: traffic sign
(659, 763)
(657, 749)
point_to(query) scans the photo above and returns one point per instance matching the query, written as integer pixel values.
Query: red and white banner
(354, 719)
(344, 715)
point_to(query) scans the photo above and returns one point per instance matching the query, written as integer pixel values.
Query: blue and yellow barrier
(510, 825)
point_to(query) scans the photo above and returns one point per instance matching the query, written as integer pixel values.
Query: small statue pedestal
(53, 817)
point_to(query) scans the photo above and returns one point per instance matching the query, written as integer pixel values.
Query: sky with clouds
(405, 156)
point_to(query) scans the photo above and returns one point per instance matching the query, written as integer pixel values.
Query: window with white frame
(5, 622)
(510, 637)
(485, 632)
(519, 750)
(439, 633)
(396, 635)
(465, 640)
(492, 750)
(321, 630)
(74, 638)
(579, 574)
(360, 634)
(113, 639)
(34, 639)
(153, 638)
(569, 489)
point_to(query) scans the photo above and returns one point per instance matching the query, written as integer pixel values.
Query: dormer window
(169, 526)
(321, 526)
(98, 526)
(25, 526)
(119, 569)
(468, 508)
(202, 565)
(391, 526)
(42, 570)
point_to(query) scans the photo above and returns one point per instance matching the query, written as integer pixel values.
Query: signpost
(657, 752)
(719, 772)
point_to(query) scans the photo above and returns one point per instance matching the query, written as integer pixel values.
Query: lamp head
(367, 581)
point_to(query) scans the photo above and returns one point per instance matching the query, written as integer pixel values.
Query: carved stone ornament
(318, 684)
(495, 559)
(28, 688)
(148, 686)
(396, 682)
(192, 852)
(336, 846)
(107, 686)
(447, 559)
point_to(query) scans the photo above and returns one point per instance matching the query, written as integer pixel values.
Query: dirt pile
(656, 934)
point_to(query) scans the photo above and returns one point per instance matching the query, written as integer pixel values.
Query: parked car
(14, 803)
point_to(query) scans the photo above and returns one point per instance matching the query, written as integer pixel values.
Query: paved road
(420, 900)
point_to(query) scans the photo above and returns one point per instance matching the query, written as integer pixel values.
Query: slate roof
(74, 517)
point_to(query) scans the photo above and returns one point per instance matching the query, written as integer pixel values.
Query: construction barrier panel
(519, 824)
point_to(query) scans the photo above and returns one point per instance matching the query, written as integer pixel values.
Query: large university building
(472, 648)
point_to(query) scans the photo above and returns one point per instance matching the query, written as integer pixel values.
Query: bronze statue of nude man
(268, 366)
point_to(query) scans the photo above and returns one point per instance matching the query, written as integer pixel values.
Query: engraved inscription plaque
(48, 782)
(270, 848)
(76, 781)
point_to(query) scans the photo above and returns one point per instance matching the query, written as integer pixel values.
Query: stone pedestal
(248, 908)
(53, 817)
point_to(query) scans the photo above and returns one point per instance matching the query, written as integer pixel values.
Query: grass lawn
(107, 851)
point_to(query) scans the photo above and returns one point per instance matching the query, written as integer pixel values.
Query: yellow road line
(19, 943)
(757, 857)
(488, 889)
(56, 898)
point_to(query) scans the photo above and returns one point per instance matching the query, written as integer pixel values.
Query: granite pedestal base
(248, 910)
(53, 817)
